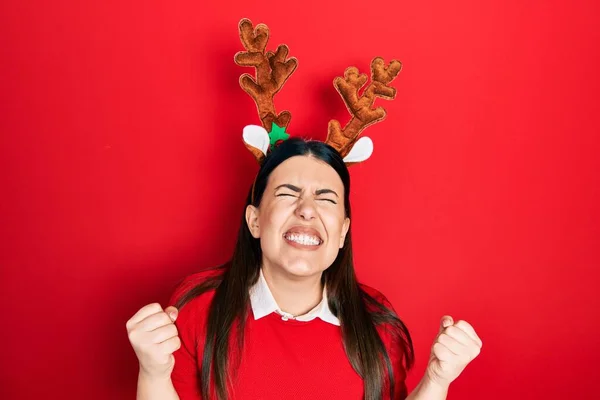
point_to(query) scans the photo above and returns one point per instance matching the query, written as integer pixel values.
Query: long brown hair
(358, 312)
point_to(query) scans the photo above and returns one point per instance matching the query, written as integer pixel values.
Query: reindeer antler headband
(273, 69)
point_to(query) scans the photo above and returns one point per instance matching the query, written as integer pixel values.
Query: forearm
(428, 390)
(155, 389)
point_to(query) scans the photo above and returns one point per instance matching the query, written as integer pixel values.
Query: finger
(445, 322)
(172, 312)
(144, 312)
(171, 345)
(459, 335)
(154, 321)
(164, 333)
(452, 344)
(442, 353)
(468, 329)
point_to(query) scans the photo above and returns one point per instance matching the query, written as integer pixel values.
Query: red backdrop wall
(123, 170)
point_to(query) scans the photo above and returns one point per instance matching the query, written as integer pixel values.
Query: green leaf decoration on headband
(277, 133)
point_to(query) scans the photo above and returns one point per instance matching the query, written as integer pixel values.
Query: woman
(286, 318)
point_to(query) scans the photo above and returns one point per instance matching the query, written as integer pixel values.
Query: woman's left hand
(455, 346)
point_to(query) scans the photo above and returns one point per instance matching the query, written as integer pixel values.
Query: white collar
(263, 303)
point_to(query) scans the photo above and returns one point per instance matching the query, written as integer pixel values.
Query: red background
(123, 170)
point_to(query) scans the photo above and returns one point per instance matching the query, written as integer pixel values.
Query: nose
(306, 209)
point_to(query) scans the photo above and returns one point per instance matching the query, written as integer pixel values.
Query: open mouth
(303, 238)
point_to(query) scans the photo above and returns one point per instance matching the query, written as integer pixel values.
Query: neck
(294, 295)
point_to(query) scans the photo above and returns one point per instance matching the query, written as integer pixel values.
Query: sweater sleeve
(395, 352)
(395, 348)
(185, 375)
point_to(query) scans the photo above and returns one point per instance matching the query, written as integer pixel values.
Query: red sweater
(281, 360)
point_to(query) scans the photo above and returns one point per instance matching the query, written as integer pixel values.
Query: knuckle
(149, 307)
(165, 324)
(174, 344)
(452, 329)
(438, 349)
(156, 321)
(151, 337)
(153, 308)
(464, 324)
(171, 330)
(132, 335)
(163, 318)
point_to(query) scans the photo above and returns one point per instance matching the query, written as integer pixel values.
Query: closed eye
(330, 200)
(292, 195)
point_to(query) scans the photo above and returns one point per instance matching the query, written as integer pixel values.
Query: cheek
(272, 220)
(334, 222)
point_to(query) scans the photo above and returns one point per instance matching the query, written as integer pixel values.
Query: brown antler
(360, 106)
(272, 71)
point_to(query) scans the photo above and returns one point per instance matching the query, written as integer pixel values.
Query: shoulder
(393, 333)
(196, 290)
(376, 295)
(193, 295)
(387, 321)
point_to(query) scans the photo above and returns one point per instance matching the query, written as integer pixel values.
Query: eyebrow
(298, 190)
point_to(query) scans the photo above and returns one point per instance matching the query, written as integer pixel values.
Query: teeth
(304, 239)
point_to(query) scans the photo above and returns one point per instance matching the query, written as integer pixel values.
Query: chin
(301, 268)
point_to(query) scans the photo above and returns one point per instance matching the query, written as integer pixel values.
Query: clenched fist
(154, 338)
(455, 347)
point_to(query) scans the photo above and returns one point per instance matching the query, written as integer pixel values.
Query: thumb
(172, 312)
(445, 322)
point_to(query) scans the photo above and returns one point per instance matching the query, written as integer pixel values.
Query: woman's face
(301, 219)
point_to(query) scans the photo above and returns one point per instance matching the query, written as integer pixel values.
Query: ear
(252, 214)
(345, 228)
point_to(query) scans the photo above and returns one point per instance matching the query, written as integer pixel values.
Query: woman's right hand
(154, 338)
